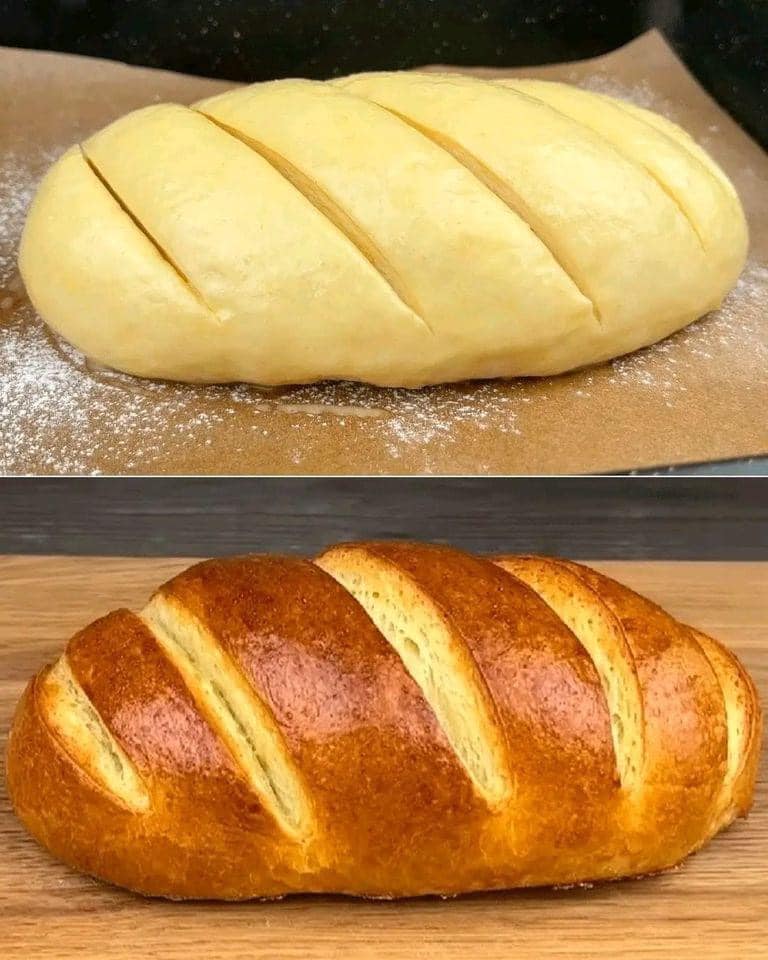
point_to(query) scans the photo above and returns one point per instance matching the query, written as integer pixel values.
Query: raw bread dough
(394, 228)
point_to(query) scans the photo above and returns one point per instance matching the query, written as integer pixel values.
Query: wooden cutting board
(715, 906)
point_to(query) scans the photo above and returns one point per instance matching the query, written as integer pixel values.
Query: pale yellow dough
(399, 229)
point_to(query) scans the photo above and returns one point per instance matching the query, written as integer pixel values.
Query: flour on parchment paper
(641, 94)
(739, 325)
(17, 187)
(49, 393)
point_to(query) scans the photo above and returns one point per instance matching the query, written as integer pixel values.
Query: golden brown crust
(743, 713)
(396, 812)
(549, 703)
(204, 829)
(357, 726)
(684, 724)
(598, 630)
(64, 810)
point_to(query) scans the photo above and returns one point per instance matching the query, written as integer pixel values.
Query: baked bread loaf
(390, 720)
(397, 228)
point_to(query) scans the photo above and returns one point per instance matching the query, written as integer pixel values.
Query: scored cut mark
(680, 138)
(739, 719)
(601, 635)
(499, 188)
(327, 207)
(162, 252)
(235, 712)
(79, 728)
(436, 657)
(614, 144)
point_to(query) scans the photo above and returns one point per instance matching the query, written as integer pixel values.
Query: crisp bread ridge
(602, 636)
(83, 734)
(742, 723)
(435, 657)
(235, 712)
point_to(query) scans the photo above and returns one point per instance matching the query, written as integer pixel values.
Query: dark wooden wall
(704, 518)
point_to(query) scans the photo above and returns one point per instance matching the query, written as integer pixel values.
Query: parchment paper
(700, 395)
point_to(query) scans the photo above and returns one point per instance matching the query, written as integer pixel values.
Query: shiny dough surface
(400, 229)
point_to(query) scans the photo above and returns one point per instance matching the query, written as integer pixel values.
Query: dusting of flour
(738, 325)
(60, 415)
(52, 392)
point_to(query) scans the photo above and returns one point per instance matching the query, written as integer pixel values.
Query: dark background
(724, 42)
(684, 518)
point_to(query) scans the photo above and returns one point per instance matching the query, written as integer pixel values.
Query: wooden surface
(644, 518)
(715, 906)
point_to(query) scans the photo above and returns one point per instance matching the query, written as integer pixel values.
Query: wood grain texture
(715, 906)
(712, 519)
